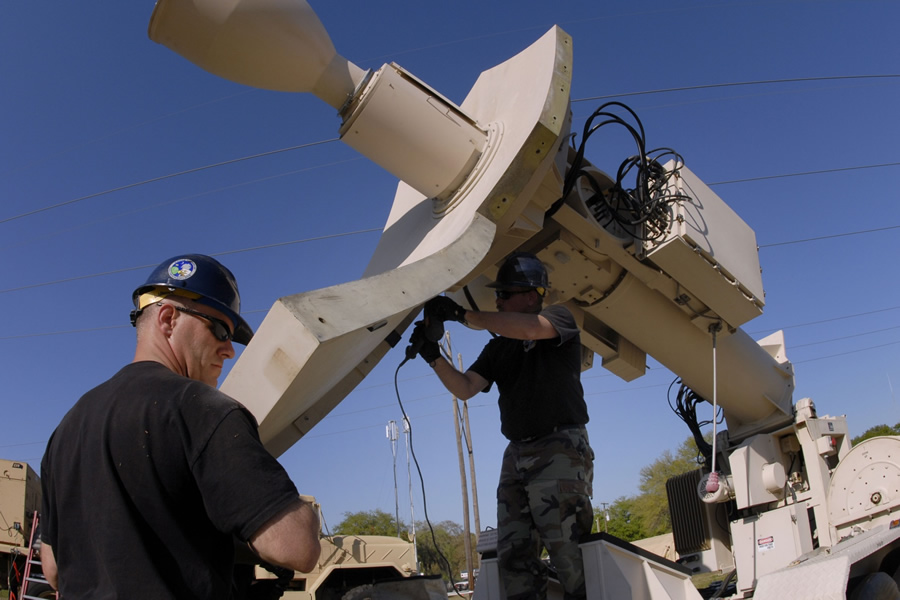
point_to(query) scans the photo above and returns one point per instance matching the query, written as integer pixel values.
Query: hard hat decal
(182, 269)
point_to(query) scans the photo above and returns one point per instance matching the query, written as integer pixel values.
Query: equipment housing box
(709, 250)
(769, 541)
(699, 529)
(750, 463)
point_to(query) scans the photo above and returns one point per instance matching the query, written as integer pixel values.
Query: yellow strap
(158, 294)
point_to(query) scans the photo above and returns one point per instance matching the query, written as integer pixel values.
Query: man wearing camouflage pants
(543, 498)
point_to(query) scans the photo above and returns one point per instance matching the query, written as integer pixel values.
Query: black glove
(442, 308)
(430, 351)
(421, 343)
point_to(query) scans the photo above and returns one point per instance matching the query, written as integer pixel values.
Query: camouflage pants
(543, 499)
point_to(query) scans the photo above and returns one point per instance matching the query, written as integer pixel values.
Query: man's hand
(420, 344)
(442, 308)
(430, 351)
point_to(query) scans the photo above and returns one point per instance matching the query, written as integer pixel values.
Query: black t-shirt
(539, 381)
(146, 482)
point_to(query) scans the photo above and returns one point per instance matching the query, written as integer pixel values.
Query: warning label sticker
(766, 543)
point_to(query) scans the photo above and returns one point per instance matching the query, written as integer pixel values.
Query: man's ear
(165, 319)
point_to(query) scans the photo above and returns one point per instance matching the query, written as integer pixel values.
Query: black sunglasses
(218, 327)
(506, 294)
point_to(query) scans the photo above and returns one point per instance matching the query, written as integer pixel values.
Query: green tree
(624, 522)
(447, 558)
(450, 552)
(647, 514)
(876, 431)
(372, 522)
(652, 505)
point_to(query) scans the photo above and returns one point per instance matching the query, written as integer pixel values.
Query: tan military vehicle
(20, 498)
(350, 562)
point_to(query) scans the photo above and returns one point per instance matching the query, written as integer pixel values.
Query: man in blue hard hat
(151, 475)
(544, 493)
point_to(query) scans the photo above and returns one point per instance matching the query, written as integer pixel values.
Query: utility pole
(606, 517)
(392, 435)
(471, 449)
(467, 541)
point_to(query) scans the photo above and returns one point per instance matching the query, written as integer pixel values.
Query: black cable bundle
(686, 408)
(643, 209)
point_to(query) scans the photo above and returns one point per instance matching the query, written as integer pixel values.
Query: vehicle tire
(362, 592)
(41, 590)
(875, 586)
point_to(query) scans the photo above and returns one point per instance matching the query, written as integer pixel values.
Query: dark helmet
(201, 278)
(522, 269)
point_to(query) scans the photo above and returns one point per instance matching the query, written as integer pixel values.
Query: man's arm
(462, 385)
(48, 565)
(290, 538)
(513, 325)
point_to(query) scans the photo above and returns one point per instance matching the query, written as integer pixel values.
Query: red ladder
(36, 575)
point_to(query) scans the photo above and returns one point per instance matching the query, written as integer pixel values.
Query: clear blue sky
(90, 105)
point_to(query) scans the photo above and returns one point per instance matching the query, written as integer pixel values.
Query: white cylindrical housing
(413, 132)
(269, 44)
(752, 387)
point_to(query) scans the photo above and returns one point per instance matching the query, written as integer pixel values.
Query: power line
(835, 170)
(361, 231)
(111, 327)
(149, 207)
(621, 95)
(798, 362)
(249, 249)
(828, 237)
(22, 444)
(735, 84)
(163, 177)
(862, 314)
(66, 332)
(845, 337)
(331, 416)
(121, 130)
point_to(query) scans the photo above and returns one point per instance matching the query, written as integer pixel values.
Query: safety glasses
(506, 294)
(218, 327)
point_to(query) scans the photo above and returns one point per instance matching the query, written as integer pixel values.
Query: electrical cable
(643, 210)
(470, 298)
(724, 584)
(686, 409)
(13, 575)
(419, 471)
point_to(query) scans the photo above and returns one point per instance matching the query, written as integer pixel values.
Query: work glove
(430, 351)
(442, 308)
(421, 342)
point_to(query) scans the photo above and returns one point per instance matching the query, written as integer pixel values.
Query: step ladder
(34, 573)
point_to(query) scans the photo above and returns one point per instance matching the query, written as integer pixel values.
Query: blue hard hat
(203, 279)
(521, 269)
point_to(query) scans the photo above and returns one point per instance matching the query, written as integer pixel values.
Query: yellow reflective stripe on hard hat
(158, 294)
